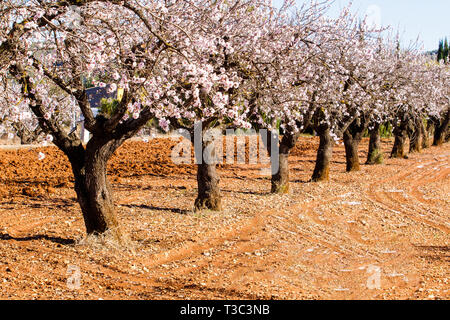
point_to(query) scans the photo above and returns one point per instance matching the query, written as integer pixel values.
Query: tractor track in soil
(398, 200)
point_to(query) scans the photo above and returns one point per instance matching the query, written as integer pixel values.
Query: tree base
(375, 158)
(280, 189)
(111, 237)
(322, 176)
(212, 204)
(416, 145)
(353, 167)
(399, 157)
(415, 150)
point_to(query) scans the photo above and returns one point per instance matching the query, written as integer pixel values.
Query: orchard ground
(382, 233)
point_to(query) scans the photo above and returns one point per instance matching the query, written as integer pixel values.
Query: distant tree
(440, 54)
(445, 51)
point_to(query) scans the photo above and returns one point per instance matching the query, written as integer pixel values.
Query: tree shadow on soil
(40, 202)
(254, 193)
(302, 181)
(146, 207)
(58, 240)
(435, 252)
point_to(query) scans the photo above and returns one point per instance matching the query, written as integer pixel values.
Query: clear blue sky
(428, 19)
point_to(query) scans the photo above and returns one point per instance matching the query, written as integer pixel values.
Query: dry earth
(322, 241)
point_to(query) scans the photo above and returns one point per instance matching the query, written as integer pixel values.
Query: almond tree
(283, 83)
(261, 52)
(239, 35)
(345, 99)
(421, 94)
(439, 103)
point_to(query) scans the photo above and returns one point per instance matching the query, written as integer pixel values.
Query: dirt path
(382, 233)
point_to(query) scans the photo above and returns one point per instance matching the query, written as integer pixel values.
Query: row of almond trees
(235, 63)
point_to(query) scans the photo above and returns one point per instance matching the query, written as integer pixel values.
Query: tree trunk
(351, 152)
(399, 149)
(280, 180)
(427, 131)
(375, 155)
(280, 177)
(208, 188)
(324, 153)
(209, 196)
(440, 133)
(416, 137)
(93, 189)
(26, 137)
(352, 138)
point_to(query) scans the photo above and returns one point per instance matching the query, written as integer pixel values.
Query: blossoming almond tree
(439, 103)
(281, 82)
(344, 95)
(255, 53)
(421, 93)
(236, 35)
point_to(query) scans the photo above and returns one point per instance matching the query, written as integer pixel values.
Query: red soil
(318, 242)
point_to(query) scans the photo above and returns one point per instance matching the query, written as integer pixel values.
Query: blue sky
(428, 19)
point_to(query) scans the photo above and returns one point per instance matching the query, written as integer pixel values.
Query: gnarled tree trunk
(280, 177)
(351, 152)
(26, 136)
(416, 137)
(324, 154)
(352, 138)
(208, 188)
(208, 196)
(93, 189)
(428, 130)
(375, 155)
(440, 133)
(399, 149)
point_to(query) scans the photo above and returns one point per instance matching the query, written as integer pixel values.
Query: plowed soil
(381, 233)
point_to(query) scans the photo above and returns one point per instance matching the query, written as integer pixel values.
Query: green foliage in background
(386, 130)
(108, 106)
